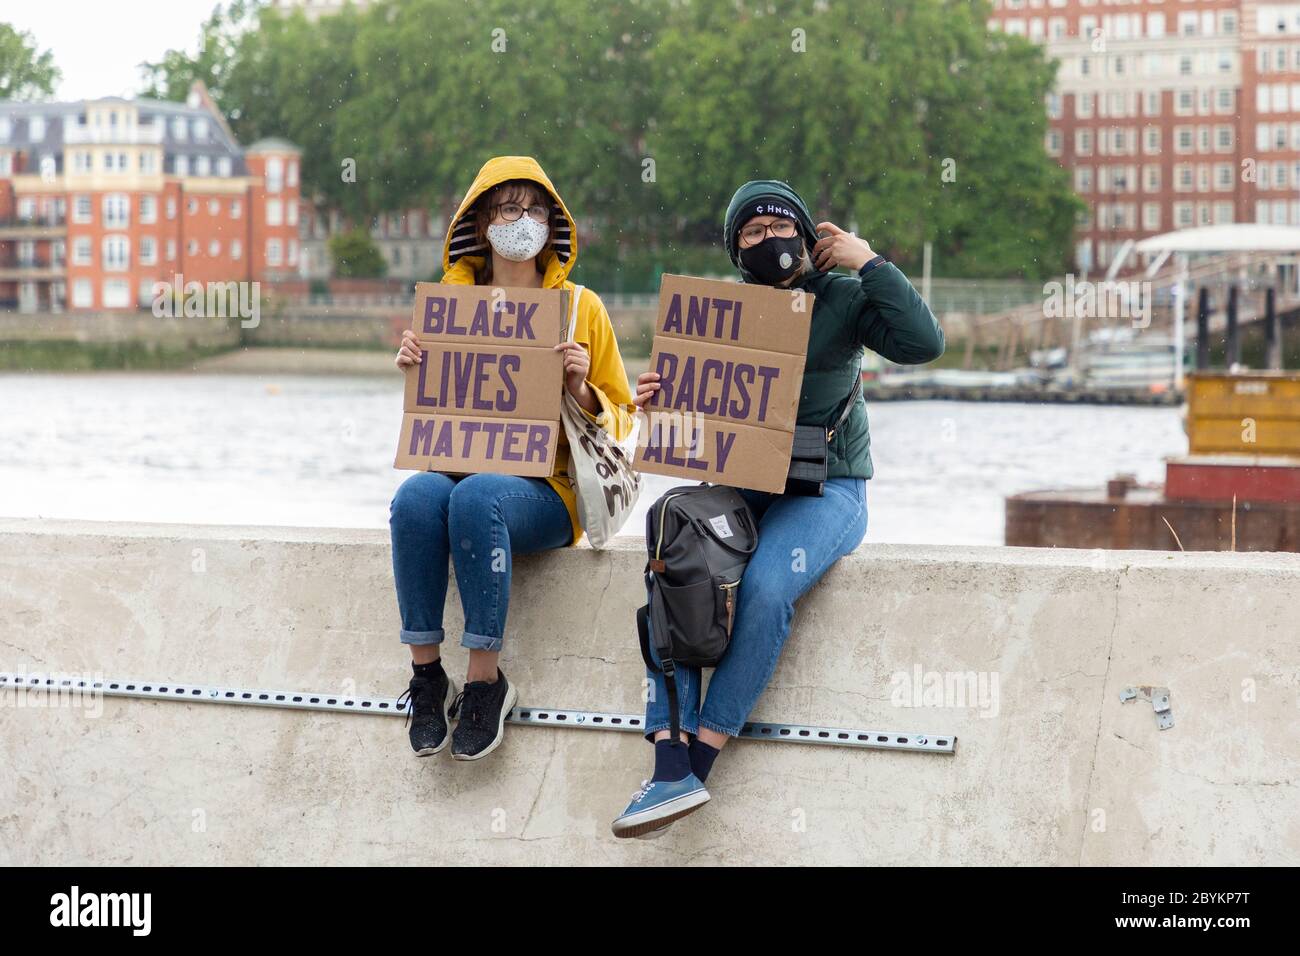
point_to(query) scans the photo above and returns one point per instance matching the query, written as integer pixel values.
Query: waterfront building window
(117, 294)
(116, 253)
(117, 210)
(274, 174)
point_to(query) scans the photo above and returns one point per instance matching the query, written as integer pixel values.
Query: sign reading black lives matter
(486, 395)
(730, 359)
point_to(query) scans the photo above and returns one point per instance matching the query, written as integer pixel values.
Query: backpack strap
(663, 644)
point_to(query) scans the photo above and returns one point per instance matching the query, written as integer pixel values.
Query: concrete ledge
(1059, 772)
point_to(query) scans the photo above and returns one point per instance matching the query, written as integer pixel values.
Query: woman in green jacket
(773, 240)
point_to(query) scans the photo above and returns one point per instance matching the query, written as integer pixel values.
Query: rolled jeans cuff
(480, 642)
(423, 637)
(687, 726)
(719, 729)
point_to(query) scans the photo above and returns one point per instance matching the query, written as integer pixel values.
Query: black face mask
(773, 260)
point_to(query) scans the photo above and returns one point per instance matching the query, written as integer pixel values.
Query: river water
(317, 450)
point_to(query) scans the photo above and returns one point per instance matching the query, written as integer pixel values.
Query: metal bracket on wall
(1158, 697)
(388, 706)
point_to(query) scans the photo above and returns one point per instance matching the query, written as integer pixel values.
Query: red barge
(1238, 488)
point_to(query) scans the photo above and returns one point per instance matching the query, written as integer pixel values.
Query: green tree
(278, 75)
(171, 77)
(859, 106)
(355, 255)
(910, 122)
(26, 73)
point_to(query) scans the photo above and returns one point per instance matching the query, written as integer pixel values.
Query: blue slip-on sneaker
(658, 803)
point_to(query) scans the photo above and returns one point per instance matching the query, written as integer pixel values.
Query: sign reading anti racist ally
(486, 395)
(730, 359)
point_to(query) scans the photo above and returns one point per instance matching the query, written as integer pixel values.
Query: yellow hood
(461, 246)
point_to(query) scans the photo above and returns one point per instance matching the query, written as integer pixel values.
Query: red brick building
(1169, 113)
(100, 199)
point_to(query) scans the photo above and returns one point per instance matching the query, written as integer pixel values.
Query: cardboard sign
(486, 395)
(731, 360)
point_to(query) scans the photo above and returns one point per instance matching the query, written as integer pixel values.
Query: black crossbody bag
(811, 446)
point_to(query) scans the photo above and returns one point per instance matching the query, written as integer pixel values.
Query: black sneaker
(425, 701)
(483, 709)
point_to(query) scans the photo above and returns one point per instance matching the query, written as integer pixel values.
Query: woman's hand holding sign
(840, 248)
(647, 383)
(577, 365)
(409, 353)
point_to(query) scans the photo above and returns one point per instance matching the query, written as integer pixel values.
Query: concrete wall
(108, 328)
(1059, 772)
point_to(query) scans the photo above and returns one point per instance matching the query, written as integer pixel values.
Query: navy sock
(672, 760)
(702, 757)
(430, 670)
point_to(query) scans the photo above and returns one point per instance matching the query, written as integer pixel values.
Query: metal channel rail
(388, 706)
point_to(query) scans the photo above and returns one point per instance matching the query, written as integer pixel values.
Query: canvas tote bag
(600, 468)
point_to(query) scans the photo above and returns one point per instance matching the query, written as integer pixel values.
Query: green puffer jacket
(880, 311)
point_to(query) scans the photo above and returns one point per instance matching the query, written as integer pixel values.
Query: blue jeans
(799, 537)
(477, 522)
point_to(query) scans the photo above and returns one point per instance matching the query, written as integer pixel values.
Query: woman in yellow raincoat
(513, 230)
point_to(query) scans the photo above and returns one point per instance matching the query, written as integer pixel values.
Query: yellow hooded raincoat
(462, 256)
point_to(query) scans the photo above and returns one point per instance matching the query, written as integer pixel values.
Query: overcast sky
(99, 44)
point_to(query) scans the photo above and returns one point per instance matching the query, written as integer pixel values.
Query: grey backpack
(700, 538)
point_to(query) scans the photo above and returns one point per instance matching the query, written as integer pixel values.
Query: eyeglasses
(755, 232)
(511, 211)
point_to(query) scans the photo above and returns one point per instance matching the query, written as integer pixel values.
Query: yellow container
(1249, 413)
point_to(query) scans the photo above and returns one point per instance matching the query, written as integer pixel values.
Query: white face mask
(520, 240)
